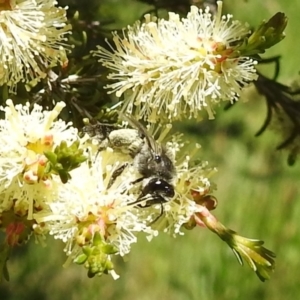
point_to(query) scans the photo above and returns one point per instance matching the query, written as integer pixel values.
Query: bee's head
(158, 190)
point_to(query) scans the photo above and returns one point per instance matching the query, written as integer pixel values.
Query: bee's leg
(116, 174)
(137, 181)
(155, 199)
(160, 214)
(100, 149)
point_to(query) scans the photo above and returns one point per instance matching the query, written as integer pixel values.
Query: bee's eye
(157, 158)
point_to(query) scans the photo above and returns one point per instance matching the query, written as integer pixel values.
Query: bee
(152, 161)
(150, 158)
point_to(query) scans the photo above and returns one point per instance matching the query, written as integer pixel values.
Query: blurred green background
(258, 197)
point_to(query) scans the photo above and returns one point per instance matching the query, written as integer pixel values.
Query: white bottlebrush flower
(175, 68)
(85, 202)
(24, 136)
(33, 38)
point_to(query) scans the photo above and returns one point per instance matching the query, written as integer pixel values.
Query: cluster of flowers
(53, 181)
(95, 219)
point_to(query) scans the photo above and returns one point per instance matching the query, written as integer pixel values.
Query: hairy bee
(150, 159)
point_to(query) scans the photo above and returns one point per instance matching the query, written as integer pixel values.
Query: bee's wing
(153, 145)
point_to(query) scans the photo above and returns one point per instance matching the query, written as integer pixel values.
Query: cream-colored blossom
(178, 67)
(33, 39)
(24, 137)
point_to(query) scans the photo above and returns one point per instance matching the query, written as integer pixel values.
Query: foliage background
(258, 196)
